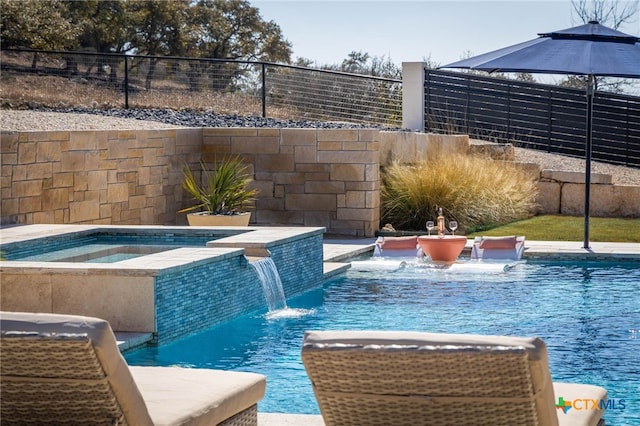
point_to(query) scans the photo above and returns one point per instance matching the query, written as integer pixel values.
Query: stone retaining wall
(95, 177)
(563, 193)
(306, 177)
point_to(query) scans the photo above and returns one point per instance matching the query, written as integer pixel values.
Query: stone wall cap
(575, 177)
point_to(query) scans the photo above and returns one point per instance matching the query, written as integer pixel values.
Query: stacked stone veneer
(95, 177)
(306, 177)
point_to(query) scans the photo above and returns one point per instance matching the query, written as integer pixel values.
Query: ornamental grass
(477, 192)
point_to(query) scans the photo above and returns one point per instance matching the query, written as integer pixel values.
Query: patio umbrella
(591, 49)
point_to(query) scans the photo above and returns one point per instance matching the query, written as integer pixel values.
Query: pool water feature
(271, 283)
(588, 313)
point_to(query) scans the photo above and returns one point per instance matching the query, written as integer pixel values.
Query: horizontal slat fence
(532, 115)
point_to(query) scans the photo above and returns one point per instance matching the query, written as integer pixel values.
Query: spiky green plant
(475, 191)
(224, 189)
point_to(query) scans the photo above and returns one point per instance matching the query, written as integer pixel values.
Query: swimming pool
(588, 313)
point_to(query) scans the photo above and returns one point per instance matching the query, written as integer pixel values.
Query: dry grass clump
(29, 91)
(20, 91)
(478, 192)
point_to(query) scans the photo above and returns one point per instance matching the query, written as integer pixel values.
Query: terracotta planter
(205, 219)
(445, 249)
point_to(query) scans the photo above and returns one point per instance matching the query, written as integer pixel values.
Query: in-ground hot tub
(170, 281)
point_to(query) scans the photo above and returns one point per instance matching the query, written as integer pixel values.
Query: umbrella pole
(587, 174)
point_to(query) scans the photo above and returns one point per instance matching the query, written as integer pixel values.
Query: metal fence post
(126, 82)
(264, 90)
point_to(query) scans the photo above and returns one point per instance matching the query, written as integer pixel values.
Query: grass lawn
(570, 228)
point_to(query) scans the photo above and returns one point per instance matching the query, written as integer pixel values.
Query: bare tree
(610, 13)
(613, 14)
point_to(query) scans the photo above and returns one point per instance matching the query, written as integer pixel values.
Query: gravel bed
(621, 175)
(86, 119)
(149, 119)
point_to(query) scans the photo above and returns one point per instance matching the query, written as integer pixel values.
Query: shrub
(478, 192)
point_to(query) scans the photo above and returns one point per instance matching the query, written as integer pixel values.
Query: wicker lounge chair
(498, 248)
(411, 378)
(62, 369)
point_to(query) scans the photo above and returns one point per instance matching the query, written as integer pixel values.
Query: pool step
(330, 269)
(127, 340)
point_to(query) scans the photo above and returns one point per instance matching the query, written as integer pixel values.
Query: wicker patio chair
(62, 369)
(412, 378)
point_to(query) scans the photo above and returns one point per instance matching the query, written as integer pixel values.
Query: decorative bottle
(441, 226)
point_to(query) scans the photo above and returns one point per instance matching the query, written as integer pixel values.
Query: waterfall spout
(271, 284)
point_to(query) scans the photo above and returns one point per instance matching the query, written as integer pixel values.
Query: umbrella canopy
(590, 49)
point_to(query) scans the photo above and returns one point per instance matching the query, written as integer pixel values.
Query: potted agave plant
(222, 195)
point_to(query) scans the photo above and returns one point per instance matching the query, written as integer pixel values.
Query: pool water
(587, 313)
(100, 247)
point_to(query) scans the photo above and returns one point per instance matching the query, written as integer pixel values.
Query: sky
(411, 31)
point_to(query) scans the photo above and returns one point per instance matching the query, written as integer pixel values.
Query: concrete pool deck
(277, 419)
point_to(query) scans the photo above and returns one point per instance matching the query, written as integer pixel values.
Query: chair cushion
(190, 396)
(394, 243)
(498, 243)
(415, 338)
